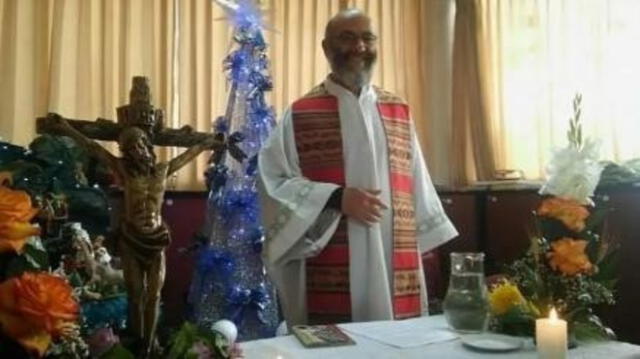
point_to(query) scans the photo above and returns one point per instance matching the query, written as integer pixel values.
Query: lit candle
(551, 337)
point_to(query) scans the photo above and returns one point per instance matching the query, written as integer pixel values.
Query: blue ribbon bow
(243, 302)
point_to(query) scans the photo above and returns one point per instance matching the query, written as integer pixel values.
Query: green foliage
(574, 135)
(117, 352)
(553, 229)
(596, 219)
(608, 270)
(189, 334)
(35, 253)
(588, 327)
(519, 320)
(183, 340)
(33, 258)
(620, 174)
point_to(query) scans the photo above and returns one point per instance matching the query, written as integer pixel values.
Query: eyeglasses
(352, 38)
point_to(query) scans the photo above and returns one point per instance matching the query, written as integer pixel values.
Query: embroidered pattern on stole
(319, 143)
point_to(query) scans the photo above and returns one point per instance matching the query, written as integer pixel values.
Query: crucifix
(142, 235)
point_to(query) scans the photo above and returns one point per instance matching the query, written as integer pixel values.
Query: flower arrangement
(38, 310)
(569, 266)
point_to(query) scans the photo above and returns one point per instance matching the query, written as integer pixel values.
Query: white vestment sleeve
(295, 223)
(433, 226)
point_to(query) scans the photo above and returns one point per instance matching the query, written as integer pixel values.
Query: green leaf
(590, 328)
(579, 135)
(517, 313)
(221, 346)
(534, 248)
(35, 254)
(517, 321)
(608, 268)
(183, 340)
(610, 284)
(117, 352)
(595, 219)
(554, 229)
(17, 265)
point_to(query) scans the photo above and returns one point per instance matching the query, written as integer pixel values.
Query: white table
(288, 347)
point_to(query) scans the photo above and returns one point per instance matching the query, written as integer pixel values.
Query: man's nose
(360, 45)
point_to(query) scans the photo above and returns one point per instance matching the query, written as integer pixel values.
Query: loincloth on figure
(146, 246)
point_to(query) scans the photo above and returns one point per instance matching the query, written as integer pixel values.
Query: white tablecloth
(288, 347)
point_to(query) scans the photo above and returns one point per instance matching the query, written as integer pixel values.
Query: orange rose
(568, 256)
(36, 307)
(15, 214)
(568, 211)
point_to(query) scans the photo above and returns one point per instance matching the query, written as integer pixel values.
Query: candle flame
(553, 315)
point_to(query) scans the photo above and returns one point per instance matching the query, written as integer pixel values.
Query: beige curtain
(204, 39)
(436, 50)
(539, 54)
(472, 146)
(77, 57)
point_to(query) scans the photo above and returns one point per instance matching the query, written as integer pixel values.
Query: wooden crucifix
(142, 236)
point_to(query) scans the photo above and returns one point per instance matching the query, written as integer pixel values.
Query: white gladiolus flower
(574, 173)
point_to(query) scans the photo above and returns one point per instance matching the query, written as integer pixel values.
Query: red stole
(319, 143)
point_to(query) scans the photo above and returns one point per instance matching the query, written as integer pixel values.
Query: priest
(347, 202)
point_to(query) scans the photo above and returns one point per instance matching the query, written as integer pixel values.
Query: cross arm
(107, 130)
(57, 125)
(215, 143)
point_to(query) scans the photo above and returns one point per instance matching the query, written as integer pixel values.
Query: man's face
(137, 150)
(350, 47)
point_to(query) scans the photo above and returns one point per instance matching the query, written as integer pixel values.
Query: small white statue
(96, 258)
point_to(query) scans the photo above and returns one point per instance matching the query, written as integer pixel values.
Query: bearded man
(348, 205)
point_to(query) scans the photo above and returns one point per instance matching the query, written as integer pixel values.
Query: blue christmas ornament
(221, 125)
(236, 65)
(256, 238)
(244, 302)
(237, 199)
(215, 262)
(216, 177)
(260, 83)
(252, 166)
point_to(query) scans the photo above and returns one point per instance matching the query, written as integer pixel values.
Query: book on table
(318, 336)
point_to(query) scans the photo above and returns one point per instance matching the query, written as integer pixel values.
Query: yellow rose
(505, 296)
(568, 256)
(36, 307)
(15, 214)
(568, 211)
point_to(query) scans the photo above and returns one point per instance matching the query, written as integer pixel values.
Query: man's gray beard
(355, 79)
(139, 166)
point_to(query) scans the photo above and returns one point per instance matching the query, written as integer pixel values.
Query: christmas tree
(229, 280)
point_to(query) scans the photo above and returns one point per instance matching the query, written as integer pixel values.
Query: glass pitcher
(466, 305)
